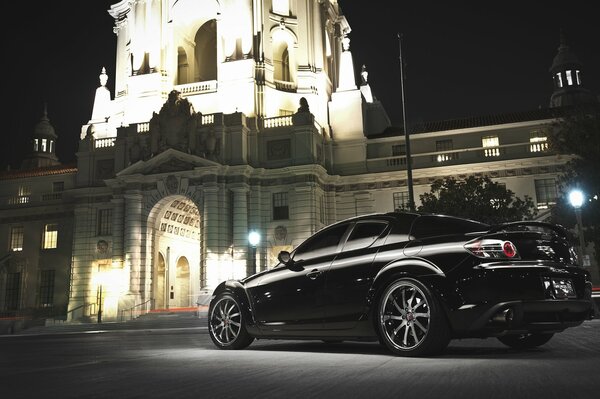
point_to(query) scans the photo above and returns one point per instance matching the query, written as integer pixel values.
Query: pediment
(168, 161)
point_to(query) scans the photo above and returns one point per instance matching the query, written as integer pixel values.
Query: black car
(412, 281)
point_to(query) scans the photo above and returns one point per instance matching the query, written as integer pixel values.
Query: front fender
(237, 289)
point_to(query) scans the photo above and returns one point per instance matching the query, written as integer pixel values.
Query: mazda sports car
(413, 282)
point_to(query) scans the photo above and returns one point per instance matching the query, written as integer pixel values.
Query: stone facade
(215, 132)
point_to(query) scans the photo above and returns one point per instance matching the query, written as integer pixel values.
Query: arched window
(206, 52)
(281, 62)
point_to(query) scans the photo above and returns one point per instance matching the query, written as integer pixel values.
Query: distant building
(231, 117)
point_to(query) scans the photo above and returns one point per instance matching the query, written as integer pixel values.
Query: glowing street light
(576, 198)
(253, 240)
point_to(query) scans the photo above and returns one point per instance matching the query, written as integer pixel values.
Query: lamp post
(576, 199)
(253, 240)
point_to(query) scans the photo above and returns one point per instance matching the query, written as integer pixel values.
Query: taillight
(492, 248)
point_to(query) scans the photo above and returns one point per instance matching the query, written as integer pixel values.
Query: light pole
(576, 199)
(253, 240)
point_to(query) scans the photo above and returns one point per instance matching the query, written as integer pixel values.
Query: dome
(43, 128)
(564, 57)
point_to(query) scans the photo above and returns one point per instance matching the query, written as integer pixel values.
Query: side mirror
(284, 257)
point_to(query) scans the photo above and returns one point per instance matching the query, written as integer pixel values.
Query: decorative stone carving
(172, 184)
(170, 128)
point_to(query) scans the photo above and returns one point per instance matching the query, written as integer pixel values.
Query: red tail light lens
(492, 248)
(509, 249)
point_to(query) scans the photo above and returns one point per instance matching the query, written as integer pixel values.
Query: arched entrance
(176, 252)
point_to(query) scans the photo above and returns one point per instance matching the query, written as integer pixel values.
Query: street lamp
(576, 199)
(253, 240)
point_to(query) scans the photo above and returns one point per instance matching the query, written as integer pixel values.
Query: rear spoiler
(555, 227)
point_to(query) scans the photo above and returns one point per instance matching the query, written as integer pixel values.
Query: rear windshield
(432, 226)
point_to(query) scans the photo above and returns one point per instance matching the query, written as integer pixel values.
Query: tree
(578, 134)
(477, 198)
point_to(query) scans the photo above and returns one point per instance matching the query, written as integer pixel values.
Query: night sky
(463, 58)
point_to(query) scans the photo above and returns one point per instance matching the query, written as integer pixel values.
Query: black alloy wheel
(525, 341)
(226, 323)
(410, 319)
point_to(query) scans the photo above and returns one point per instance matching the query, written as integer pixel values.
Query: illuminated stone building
(230, 116)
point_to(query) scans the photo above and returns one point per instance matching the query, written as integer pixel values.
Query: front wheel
(410, 320)
(525, 341)
(226, 324)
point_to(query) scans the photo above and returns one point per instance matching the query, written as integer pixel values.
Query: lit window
(444, 145)
(35, 144)
(559, 82)
(280, 206)
(538, 142)
(16, 238)
(490, 145)
(50, 236)
(43, 145)
(104, 222)
(545, 193)
(281, 7)
(569, 78)
(400, 200)
(23, 194)
(578, 77)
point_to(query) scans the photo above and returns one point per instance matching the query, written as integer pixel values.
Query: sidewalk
(157, 319)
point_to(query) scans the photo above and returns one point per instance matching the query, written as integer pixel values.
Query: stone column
(132, 239)
(240, 224)
(118, 205)
(210, 217)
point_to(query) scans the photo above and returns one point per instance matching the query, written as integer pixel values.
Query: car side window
(364, 234)
(322, 243)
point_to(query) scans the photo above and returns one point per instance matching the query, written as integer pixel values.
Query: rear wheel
(226, 324)
(525, 341)
(410, 320)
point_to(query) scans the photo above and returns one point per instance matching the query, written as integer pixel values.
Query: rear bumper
(546, 315)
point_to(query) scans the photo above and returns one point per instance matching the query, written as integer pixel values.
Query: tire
(226, 324)
(410, 320)
(525, 341)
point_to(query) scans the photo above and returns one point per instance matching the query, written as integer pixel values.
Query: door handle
(313, 274)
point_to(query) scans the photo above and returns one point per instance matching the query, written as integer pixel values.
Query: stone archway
(176, 252)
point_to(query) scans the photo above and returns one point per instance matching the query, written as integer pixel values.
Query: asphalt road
(183, 363)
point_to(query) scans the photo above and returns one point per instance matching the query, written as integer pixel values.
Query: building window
(538, 142)
(559, 81)
(280, 206)
(104, 222)
(578, 77)
(16, 238)
(58, 186)
(398, 154)
(23, 193)
(13, 290)
(490, 146)
(46, 288)
(281, 7)
(569, 78)
(401, 200)
(441, 146)
(545, 193)
(50, 236)
(285, 112)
